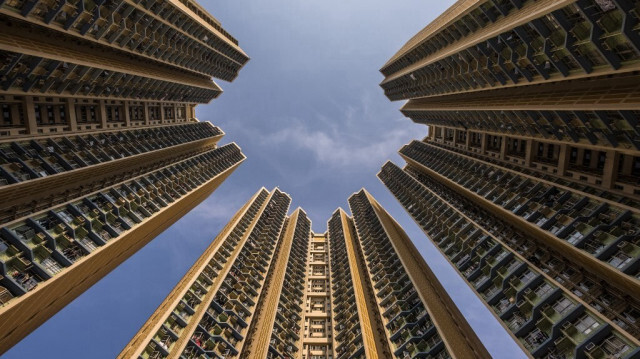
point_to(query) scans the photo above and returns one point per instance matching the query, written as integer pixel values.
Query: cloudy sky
(309, 115)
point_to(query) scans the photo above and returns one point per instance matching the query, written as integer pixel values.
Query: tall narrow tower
(529, 178)
(100, 150)
(212, 310)
(417, 313)
(360, 290)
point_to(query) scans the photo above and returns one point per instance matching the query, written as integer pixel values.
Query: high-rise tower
(100, 150)
(268, 287)
(529, 178)
(212, 309)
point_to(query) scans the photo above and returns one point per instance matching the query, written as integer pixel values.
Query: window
(563, 305)
(619, 260)
(38, 114)
(63, 113)
(586, 159)
(636, 166)
(606, 299)
(614, 346)
(586, 285)
(632, 314)
(6, 114)
(602, 157)
(527, 276)
(573, 157)
(50, 117)
(586, 324)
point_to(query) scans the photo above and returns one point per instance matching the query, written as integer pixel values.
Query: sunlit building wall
(100, 150)
(269, 287)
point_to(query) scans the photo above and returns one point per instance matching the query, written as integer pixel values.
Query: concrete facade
(529, 178)
(269, 287)
(100, 150)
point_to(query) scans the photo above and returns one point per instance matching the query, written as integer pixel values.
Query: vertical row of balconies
(611, 128)
(171, 330)
(406, 320)
(547, 320)
(348, 334)
(221, 332)
(577, 39)
(44, 75)
(88, 159)
(319, 333)
(578, 175)
(286, 330)
(613, 303)
(607, 232)
(30, 159)
(468, 24)
(38, 248)
(154, 29)
(197, 9)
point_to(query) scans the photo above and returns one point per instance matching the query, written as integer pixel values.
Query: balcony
(154, 351)
(598, 242)
(613, 346)
(534, 339)
(626, 254)
(5, 295)
(422, 329)
(516, 321)
(422, 347)
(21, 271)
(575, 333)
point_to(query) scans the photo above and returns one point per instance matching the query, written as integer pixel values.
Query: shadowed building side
(415, 286)
(370, 341)
(528, 181)
(261, 341)
(285, 338)
(529, 286)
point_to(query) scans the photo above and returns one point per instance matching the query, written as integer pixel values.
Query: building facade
(98, 65)
(269, 287)
(100, 150)
(529, 179)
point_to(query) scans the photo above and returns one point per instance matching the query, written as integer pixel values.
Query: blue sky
(308, 113)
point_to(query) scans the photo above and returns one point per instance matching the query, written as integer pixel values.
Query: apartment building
(528, 181)
(270, 287)
(100, 150)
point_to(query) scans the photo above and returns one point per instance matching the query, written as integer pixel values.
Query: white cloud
(222, 205)
(337, 150)
(353, 140)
